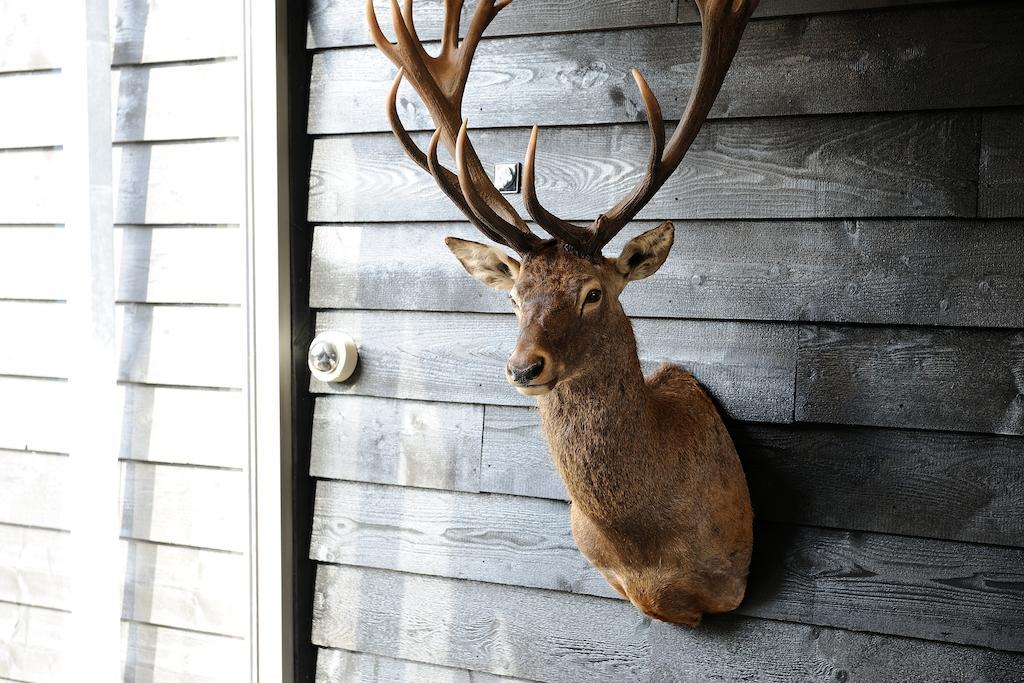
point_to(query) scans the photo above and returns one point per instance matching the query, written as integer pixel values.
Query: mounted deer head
(660, 504)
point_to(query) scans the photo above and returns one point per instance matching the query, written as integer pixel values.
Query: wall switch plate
(506, 177)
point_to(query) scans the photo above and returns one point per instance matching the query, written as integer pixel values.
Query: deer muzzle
(530, 370)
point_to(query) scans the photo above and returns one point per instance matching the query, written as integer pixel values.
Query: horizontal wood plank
(912, 377)
(166, 655)
(146, 31)
(905, 165)
(1002, 164)
(333, 23)
(929, 58)
(498, 539)
(897, 272)
(199, 507)
(204, 508)
(163, 102)
(164, 183)
(32, 186)
(183, 345)
(964, 487)
(162, 424)
(29, 407)
(340, 24)
(189, 182)
(343, 666)
(773, 8)
(747, 367)
(412, 443)
(30, 34)
(32, 115)
(779, 652)
(500, 629)
(553, 636)
(186, 426)
(165, 585)
(33, 32)
(179, 264)
(177, 101)
(938, 590)
(31, 640)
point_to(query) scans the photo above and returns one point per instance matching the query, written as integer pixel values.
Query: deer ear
(489, 265)
(644, 254)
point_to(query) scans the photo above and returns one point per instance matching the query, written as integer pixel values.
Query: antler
(722, 24)
(441, 82)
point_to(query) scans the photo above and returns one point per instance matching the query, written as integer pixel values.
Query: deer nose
(526, 372)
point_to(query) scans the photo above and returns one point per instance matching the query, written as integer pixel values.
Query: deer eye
(593, 296)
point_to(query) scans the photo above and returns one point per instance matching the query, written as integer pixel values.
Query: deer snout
(530, 371)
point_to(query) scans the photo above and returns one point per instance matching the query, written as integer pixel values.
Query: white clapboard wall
(847, 281)
(176, 104)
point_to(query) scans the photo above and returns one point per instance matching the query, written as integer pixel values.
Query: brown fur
(659, 500)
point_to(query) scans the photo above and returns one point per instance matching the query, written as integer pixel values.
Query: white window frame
(268, 337)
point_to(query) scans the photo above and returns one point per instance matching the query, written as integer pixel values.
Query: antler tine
(404, 139)
(722, 24)
(611, 222)
(452, 21)
(513, 235)
(440, 82)
(449, 184)
(577, 236)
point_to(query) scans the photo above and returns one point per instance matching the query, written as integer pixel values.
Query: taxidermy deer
(659, 501)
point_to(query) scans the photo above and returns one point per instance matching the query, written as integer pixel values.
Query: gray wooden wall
(184, 498)
(847, 280)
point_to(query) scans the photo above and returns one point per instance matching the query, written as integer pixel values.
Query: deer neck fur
(596, 423)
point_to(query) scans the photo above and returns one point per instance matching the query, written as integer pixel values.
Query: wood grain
(1002, 164)
(772, 8)
(412, 443)
(906, 377)
(342, 666)
(343, 23)
(553, 636)
(503, 630)
(938, 590)
(778, 652)
(929, 58)
(809, 167)
(964, 487)
(937, 272)
(747, 367)
(498, 539)
(166, 585)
